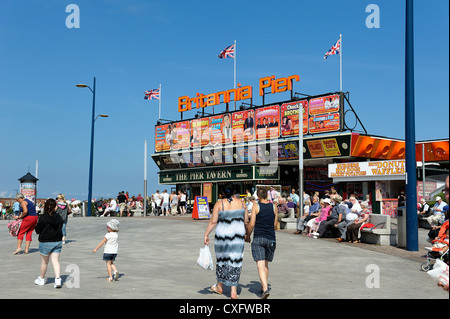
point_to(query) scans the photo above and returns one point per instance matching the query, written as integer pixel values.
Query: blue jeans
(64, 228)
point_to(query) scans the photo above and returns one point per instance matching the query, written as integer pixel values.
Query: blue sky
(133, 46)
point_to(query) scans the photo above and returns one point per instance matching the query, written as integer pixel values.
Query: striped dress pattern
(229, 242)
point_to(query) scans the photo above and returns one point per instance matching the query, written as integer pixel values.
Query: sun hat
(327, 200)
(113, 224)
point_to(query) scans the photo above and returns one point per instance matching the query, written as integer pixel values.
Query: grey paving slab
(157, 260)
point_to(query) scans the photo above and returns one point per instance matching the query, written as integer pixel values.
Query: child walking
(111, 247)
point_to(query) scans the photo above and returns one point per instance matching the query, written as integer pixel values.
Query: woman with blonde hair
(64, 211)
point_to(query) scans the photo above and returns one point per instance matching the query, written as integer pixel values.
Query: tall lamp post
(412, 243)
(91, 161)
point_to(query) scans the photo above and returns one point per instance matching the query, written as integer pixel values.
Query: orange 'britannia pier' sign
(186, 103)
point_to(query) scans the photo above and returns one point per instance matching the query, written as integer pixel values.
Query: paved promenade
(157, 260)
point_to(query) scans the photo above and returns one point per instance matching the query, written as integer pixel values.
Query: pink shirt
(324, 212)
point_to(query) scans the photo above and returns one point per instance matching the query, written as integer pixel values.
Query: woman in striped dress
(231, 217)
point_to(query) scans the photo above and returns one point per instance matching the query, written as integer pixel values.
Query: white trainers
(39, 281)
(57, 283)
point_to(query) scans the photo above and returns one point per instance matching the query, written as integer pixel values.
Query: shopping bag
(205, 258)
(440, 272)
(14, 227)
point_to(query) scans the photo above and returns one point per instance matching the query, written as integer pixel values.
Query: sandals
(214, 290)
(17, 251)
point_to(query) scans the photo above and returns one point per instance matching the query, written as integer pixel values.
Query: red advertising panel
(243, 126)
(324, 104)
(290, 118)
(200, 132)
(163, 137)
(267, 122)
(324, 123)
(181, 134)
(220, 129)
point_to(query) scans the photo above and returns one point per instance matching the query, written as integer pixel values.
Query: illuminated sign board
(320, 114)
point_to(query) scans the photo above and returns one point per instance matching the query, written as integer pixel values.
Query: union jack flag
(151, 94)
(228, 52)
(335, 49)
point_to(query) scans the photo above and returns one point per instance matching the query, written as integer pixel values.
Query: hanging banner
(324, 123)
(220, 129)
(243, 126)
(290, 118)
(181, 135)
(199, 132)
(291, 150)
(267, 122)
(324, 105)
(207, 191)
(163, 138)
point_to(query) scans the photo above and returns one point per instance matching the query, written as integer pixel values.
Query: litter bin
(401, 226)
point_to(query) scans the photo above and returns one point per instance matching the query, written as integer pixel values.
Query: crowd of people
(165, 204)
(235, 218)
(122, 204)
(326, 216)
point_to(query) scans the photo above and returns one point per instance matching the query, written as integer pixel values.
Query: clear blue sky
(132, 46)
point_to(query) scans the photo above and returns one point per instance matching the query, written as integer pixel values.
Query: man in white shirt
(350, 217)
(111, 208)
(157, 197)
(165, 202)
(437, 216)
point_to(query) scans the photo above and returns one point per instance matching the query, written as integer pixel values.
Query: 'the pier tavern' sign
(220, 174)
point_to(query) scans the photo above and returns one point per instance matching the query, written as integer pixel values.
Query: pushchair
(431, 257)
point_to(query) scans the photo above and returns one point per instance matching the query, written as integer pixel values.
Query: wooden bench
(289, 222)
(381, 233)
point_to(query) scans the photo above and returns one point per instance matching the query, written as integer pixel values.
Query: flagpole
(340, 64)
(235, 56)
(159, 102)
(235, 63)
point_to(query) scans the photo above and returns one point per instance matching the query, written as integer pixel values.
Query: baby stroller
(432, 255)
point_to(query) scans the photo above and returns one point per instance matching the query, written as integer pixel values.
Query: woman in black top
(264, 221)
(49, 229)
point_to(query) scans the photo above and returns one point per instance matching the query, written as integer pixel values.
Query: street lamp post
(91, 160)
(412, 243)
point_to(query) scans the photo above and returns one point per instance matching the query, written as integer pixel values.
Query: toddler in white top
(111, 248)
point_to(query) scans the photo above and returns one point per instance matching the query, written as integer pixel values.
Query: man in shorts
(263, 221)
